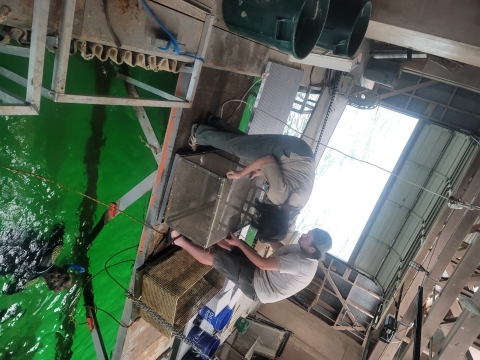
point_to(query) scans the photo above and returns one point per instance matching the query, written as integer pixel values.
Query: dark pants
(238, 269)
(251, 147)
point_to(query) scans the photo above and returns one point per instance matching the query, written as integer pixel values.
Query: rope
(23, 172)
(452, 202)
(172, 42)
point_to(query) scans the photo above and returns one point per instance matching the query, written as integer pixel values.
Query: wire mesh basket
(177, 288)
(203, 204)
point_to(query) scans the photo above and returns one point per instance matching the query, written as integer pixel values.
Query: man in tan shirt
(287, 162)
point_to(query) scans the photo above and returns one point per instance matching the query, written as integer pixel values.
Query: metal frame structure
(445, 242)
(431, 100)
(58, 93)
(14, 105)
(350, 317)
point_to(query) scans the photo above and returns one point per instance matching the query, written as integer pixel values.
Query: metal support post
(417, 340)
(37, 52)
(464, 331)
(21, 81)
(9, 98)
(31, 105)
(450, 291)
(202, 50)
(60, 66)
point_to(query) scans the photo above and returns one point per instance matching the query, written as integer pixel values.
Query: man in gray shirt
(287, 271)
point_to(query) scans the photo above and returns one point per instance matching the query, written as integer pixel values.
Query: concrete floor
(214, 88)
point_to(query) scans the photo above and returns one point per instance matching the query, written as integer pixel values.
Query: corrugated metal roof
(438, 156)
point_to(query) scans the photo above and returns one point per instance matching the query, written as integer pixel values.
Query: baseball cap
(322, 241)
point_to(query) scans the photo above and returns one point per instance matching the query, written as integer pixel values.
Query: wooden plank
(337, 293)
(139, 337)
(157, 348)
(297, 349)
(353, 353)
(313, 331)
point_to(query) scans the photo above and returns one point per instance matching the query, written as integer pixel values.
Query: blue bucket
(206, 342)
(219, 321)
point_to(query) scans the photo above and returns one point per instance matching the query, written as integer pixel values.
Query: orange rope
(22, 172)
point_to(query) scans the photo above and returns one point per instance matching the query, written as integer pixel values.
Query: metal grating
(342, 286)
(439, 102)
(204, 205)
(468, 101)
(407, 80)
(178, 288)
(331, 300)
(438, 112)
(399, 100)
(276, 96)
(369, 284)
(439, 93)
(418, 106)
(364, 299)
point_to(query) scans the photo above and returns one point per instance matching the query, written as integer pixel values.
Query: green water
(95, 150)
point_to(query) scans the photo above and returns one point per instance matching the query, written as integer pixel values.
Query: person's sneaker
(192, 140)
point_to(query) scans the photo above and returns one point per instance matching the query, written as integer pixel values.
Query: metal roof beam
(463, 334)
(452, 289)
(474, 280)
(408, 88)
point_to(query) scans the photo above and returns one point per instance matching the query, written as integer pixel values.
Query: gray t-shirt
(291, 180)
(296, 272)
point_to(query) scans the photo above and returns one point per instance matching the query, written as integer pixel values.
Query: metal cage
(204, 205)
(177, 288)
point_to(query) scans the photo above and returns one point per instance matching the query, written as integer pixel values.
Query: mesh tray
(178, 288)
(203, 204)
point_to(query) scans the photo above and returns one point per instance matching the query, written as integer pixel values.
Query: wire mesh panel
(204, 205)
(177, 288)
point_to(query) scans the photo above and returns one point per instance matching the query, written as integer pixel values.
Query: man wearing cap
(287, 271)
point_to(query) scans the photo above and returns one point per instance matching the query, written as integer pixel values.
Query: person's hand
(234, 174)
(233, 240)
(255, 173)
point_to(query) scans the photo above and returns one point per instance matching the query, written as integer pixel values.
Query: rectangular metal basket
(177, 288)
(203, 204)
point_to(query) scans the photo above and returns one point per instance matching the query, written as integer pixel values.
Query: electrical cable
(118, 263)
(172, 42)
(106, 267)
(110, 315)
(243, 97)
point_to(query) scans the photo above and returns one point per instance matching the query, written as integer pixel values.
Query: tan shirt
(296, 272)
(290, 181)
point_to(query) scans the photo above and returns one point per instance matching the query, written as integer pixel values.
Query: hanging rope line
(27, 173)
(452, 202)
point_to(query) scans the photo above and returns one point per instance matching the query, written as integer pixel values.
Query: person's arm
(253, 167)
(270, 263)
(276, 245)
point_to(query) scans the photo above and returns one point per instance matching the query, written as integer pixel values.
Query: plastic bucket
(383, 72)
(206, 342)
(291, 26)
(219, 321)
(345, 27)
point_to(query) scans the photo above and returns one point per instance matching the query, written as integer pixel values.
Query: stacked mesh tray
(203, 204)
(177, 288)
